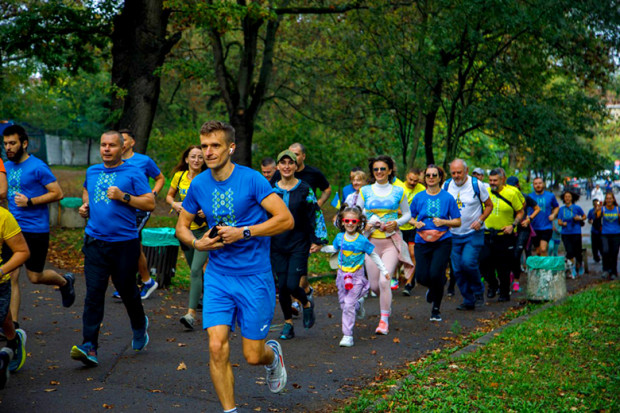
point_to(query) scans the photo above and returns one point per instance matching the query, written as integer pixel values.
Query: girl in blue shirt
(433, 212)
(571, 218)
(610, 235)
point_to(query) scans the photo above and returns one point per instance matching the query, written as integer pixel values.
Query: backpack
(474, 183)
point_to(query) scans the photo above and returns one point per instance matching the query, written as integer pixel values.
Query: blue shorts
(245, 300)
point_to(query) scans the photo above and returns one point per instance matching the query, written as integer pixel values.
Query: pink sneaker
(382, 328)
(516, 287)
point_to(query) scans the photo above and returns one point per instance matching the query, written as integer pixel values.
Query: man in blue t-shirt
(243, 211)
(150, 170)
(543, 221)
(31, 186)
(112, 193)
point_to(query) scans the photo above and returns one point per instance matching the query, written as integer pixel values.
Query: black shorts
(38, 244)
(141, 219)
(408, 235)
(542, 235)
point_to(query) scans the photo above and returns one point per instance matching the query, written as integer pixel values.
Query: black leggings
(289, 268)
(611, 244)
(431, 263)
(572, 245)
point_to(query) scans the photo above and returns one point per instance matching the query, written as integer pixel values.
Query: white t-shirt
(468, 203)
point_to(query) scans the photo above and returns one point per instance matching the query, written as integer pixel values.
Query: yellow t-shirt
(502, 214)
(181, 182)
(409, 193)
(8, 229)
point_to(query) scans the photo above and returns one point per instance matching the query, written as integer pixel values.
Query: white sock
(385, 317)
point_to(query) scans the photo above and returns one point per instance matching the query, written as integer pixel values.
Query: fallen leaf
(98, 389)
(182, 345)
(182, 366)
(49, 390)
(329, 315)
(108, 406)
(296, 386)
(374, 352)
(156, 391)
(54, 383)
(171, 340)
(396, 340)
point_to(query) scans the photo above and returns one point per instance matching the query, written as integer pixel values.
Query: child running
(351, 247)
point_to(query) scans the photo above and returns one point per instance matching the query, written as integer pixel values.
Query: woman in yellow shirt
(190, 165)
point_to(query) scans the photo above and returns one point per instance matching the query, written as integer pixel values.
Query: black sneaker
(309, 317)
(288, 332)
(465, 307)
(479, 300)
(67, 291)
(6, 355)
(503, 298)
(435, 314)
(407, 289)
(450, 293)
(491, 293)
(429, 297)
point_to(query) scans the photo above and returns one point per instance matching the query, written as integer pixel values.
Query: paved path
(321, 374)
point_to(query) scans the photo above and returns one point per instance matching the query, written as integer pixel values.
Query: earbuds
(230, 151)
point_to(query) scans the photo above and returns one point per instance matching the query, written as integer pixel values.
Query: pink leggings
(380, 285)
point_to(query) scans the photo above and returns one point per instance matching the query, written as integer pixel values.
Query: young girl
(352, 248)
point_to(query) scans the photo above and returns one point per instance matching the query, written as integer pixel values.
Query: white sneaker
(347, 341)
(276, 376)
(361, 310)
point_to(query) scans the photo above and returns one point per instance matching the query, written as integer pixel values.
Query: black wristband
(29, 202)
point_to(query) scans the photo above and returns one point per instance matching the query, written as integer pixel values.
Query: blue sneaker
(86, 353)
(6, 355)
(141, 337)
(288, 332)
(67, 291)
(148, 288)
(116, 295)
(581, 270)
(20, 353)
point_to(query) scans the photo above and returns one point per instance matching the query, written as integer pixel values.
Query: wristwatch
(126, 197)
(246, 233)
(29, 202)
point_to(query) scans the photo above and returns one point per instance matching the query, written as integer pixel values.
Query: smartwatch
(246, 233)
(29, 202)
(126, 197)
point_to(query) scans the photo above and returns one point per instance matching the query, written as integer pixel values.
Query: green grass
(565, 358)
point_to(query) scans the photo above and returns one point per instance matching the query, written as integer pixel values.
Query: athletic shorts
(38, 244)
(5, 299)
(245, 300)
(408, 235)
(542, 235)
(141, 219)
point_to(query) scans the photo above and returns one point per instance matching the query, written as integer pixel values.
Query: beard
(17, 155)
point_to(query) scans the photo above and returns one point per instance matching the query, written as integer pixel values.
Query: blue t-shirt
(425, 207)
(346, 191)
(29, 178)
(351, 253)
(592, 216)
(611, 225)
(145, 164)
(236, 202)
(566, 214)
(110, 220)
(546, 202)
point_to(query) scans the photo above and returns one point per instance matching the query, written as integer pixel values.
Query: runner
(596, 225)
(238, 286)
(112, 193)
(433, 213)
(190, 165)
(474, 203)
(150, 170)
(610, 235)
(291, 249)
(497, 254)
(571, 219)
(31, 187)
(268, 168)
(13, 356)
(542, 223)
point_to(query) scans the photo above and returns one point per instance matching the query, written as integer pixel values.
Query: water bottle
(348, 282)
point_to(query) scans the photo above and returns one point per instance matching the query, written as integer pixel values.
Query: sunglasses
(382, 169)
(432, 175)
(351, 221)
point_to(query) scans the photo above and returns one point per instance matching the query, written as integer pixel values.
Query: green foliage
(167, 148)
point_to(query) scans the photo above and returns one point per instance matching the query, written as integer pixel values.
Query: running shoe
(67, 291)
(188, 321)
(141, 337)
(276, 375)
(372, 293)
(382, 328)
(288, 332)
(436, 315)
(347, 341)
(361, 310)
(116, 295)
(19, 358)
(466, 307)
(310, 295)
(6, 355)
(516, 287)
(479, 300)
(450, 293)
(296, 308)
(394, 284)
(86, 353)
(407, 289)
(309, 317)
(582, 270)
(148, 288)
(573, 273)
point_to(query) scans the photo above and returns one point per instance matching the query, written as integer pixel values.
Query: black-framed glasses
(435, 175)
(381, 168)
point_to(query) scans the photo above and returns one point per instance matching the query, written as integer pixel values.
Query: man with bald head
(473, 201)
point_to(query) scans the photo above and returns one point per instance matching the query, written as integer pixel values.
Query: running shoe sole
(80, 355)
(187, 322)
(19, 358)
(280, 382)
(149, 290)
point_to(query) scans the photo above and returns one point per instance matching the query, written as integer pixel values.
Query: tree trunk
(429, 125)
(244, 132)
(139, 47)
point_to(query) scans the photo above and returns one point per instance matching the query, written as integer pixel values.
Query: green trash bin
(161, 249)
(546, 278)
